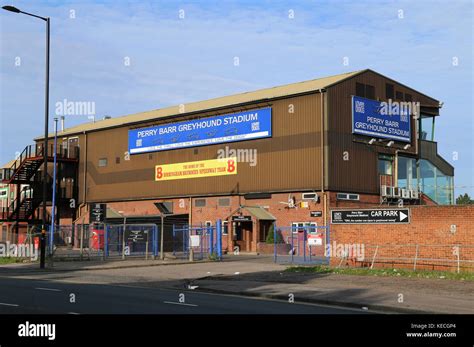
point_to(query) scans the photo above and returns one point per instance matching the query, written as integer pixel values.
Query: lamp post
(53, 206)
(45, 145)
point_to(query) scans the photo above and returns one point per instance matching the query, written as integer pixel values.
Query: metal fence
(453, 257)
(131, 240)
(301, 245)
(203, 241)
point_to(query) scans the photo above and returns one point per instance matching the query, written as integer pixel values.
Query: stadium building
(285, 155)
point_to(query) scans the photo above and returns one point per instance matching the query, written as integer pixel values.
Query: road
(31, 296)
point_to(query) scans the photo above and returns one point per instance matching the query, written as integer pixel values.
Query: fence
(203, 241)
(123, 241)
(414, 256)
(301, 245)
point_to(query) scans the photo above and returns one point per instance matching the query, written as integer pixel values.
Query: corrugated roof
(262, 94)
(8, 165)
(259, 212)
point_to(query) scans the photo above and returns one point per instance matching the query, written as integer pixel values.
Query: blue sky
(174, 61)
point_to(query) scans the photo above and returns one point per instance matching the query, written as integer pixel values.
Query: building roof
(216, 103)
(8, 165)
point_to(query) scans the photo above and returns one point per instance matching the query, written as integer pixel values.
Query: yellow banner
(194, 169)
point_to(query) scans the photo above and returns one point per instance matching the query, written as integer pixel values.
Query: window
(208, 224)
(300, 226)
(347, 196)
(224, 202)
(365, 90)
(200, 203)
(407, 172)
(103, 162)
(225, 227)
(435, 184)
(427, 127)
(360, 90)
(309, 196)
(385, 165)
(389, 91)
(150, 156)
(369, 91)
(117, 160)
(399, 96)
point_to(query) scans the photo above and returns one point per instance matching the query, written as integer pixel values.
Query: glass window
(200, 203)
(360, 89)
(224, 202)
(389, 91)
(225, 227)
(427, 128)
(103, 162)
(369, 91)
(385, 167)
(407, 172)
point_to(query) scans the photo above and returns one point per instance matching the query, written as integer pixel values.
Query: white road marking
(49, 289)
(6, 304)
(178, 303)
(73, 313)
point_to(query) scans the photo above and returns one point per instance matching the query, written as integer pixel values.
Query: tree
(464, 199)
(270, 236)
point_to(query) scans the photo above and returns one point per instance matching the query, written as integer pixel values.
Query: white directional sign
(368, 216)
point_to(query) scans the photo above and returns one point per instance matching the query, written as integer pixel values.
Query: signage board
(254, 124)
(368, 216)
(381, 119)
(195, 169)
(136, 235)
(195, 240)
(97, 213)
(316, 213)
(315, 240)
(241, 218)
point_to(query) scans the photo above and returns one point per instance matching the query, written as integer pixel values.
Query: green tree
(270, 236)
(464, 199)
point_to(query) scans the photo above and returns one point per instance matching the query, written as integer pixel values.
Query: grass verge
(462, 276)
(13, 260)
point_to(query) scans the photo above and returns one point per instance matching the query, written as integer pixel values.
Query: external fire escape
(26, 174)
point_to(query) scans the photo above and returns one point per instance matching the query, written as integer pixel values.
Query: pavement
(251, 277)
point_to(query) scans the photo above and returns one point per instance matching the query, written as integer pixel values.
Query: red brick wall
(429, 228)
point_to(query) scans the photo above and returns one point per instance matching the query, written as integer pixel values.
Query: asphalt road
(30, 296)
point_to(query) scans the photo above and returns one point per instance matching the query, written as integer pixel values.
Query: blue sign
(240, 126)
(389, 120)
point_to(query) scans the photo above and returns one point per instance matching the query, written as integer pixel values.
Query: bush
(270, 237)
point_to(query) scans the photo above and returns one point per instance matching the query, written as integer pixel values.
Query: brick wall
(429, 228)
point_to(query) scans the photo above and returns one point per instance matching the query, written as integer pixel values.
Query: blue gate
(203, 241)
(131, 240)
(301, 244)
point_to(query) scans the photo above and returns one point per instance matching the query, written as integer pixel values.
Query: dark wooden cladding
(359, 173)
(289, 160)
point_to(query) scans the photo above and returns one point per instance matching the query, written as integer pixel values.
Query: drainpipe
(322, 159)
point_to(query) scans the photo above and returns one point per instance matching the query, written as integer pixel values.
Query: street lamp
(45, 145)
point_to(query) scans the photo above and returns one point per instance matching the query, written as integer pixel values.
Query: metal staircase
(26, 174)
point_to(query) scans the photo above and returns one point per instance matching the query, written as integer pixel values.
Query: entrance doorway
(243, 236)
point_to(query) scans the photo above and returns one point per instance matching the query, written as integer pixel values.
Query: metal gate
(301, 245)
(131, 240)
(204, 241)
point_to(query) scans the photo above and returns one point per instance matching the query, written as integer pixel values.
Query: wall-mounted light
(390, 143)
(372, 141)
(406, 146)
